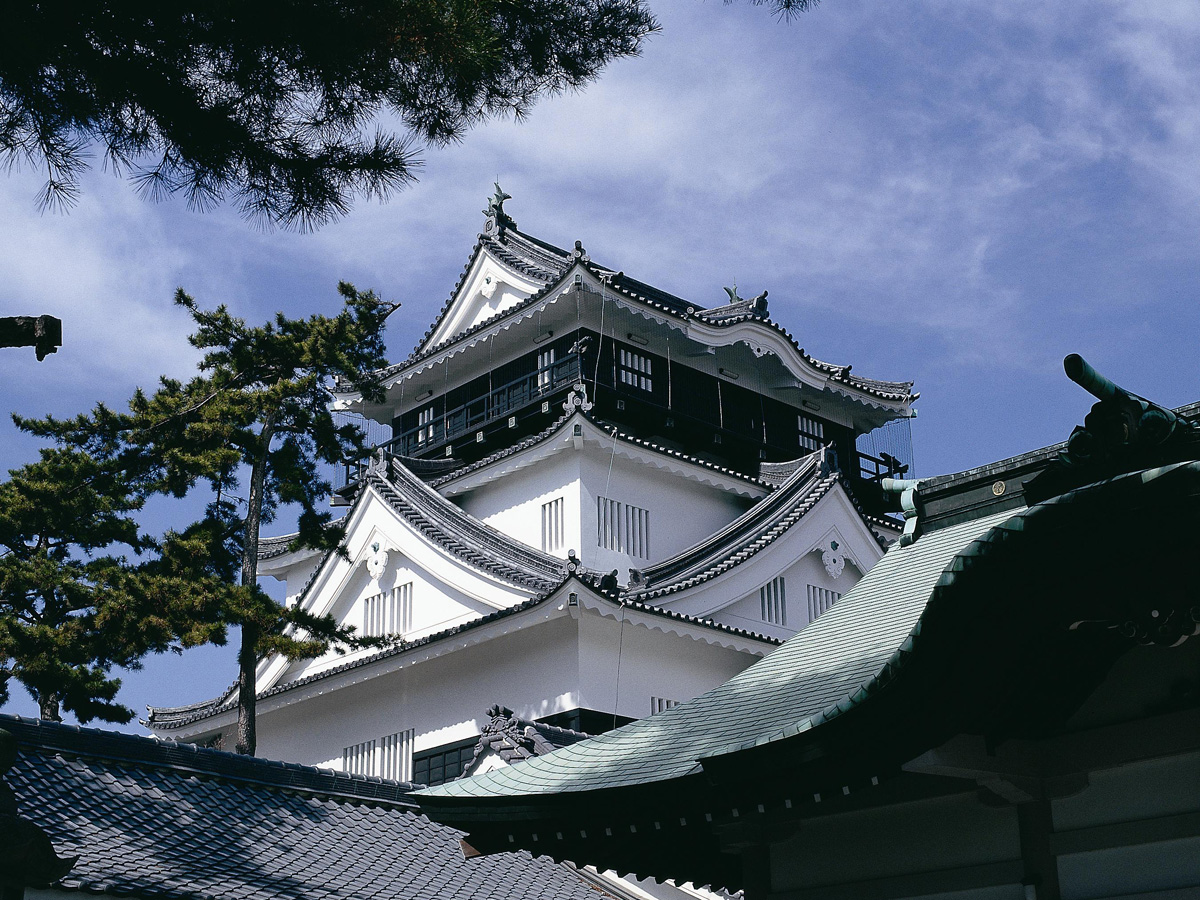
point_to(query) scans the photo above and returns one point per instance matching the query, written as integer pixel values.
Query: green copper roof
(807, 679)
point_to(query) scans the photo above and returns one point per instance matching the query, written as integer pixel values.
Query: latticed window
(545, 375)
(820, 599)
(443, 763)
(389, 612)
(359, 759)
(812, 432)
(772, 598)
(552, 525)
(395, 755)
(622, 527)
(425, 425)
(634, 369)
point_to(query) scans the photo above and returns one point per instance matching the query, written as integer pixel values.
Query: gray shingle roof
(157, 819)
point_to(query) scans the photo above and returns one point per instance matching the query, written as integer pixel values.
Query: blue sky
(958, 193)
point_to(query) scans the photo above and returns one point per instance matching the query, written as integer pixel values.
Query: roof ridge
(793, 491)
(179, 756)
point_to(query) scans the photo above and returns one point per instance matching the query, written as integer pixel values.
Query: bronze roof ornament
(498, 219)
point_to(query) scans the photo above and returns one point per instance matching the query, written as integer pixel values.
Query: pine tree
(73, 604)
(275, 101)
(257, 416)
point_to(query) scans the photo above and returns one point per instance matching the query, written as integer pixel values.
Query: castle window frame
(635, 369)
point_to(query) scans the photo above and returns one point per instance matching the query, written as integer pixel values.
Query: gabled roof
(810, 479)
(548, 265)
(157, 819)
(462, 534)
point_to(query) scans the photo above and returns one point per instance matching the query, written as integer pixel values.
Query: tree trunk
(247, 737)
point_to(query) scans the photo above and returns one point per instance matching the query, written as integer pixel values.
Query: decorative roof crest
(497, 218)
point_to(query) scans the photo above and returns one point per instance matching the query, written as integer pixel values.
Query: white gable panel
(734, 597)
(445, 591)
(489, 289)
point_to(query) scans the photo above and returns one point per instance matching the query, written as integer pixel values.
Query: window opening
(442, 764)
(820, 599)
(545, 375)
(661, 704)
(622, 527)
(772, 598)
(634, 369)
(389, 612)
(812, 432)
(552, 525)
(359, 759)
(396, 752)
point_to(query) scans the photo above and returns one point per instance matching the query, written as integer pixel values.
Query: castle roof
(159, 819)
(547, 265)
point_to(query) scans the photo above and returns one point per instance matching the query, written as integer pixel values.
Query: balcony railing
(480, 411)
(876, 468)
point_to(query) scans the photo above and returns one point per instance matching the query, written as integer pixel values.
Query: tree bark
(247, 738)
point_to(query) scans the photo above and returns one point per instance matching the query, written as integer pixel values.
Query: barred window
(622, 527)
(359, 759)
(425, 425)
(812, 432)
(552, 525)
(661, 704)
(395, 756)
(389, 612)
(545, 375)
(820, 599)
(634, 369)
(772, 597)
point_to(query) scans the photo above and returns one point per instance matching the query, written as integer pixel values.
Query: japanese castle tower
(598, 500)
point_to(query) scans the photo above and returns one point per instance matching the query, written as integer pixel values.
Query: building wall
(533, 671)
(623, 665)
(513, 504)
(681, 512)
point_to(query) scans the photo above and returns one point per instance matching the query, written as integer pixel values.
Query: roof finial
(497, 217)
(732, 292)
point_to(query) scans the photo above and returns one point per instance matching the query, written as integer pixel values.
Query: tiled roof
(546, 263)
(860, 648)
(156, 819)
(744, 537)
(462, 534)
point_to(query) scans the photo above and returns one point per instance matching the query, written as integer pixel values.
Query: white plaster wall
(652, 664)
(534, 672)
(298, 576)
(732, 598)
(513, 504)
(807, 570)
(682, 512)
